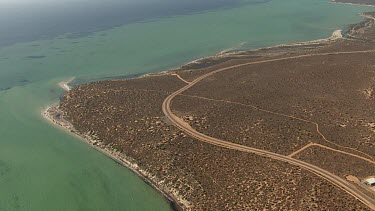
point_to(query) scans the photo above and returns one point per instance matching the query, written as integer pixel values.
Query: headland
(310, 101)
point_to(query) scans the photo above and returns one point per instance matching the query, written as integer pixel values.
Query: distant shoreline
(56, 117)
(356, 4)
(337, 34)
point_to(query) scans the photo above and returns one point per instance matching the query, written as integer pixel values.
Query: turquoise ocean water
(44, 168)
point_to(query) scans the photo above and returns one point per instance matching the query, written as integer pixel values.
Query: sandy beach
(65, 84)
(55, 116)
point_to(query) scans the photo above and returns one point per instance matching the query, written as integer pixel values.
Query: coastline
(53, 115)
(65, 84)
(50, 114)
(56, 117)
(232, 53)
(356, 4)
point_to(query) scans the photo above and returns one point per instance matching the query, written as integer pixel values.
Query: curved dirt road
(338, 181)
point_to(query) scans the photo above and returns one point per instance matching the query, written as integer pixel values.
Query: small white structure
(370, 181)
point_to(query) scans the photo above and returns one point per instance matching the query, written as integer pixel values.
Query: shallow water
(43, 168)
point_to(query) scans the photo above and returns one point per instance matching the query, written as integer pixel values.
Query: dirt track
(226, 144)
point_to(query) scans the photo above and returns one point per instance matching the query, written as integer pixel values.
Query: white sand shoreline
(176, 201)
(368, 16)
(336, 35)
(355, 4)
(65, 84)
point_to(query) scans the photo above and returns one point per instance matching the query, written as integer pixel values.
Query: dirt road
(336, 180)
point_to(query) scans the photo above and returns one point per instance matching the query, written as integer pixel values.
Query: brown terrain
(317, 108)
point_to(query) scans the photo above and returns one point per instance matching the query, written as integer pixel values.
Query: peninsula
(289, 127)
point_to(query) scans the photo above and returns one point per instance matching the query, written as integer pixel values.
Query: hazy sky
(36, 1)
(70, 1)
